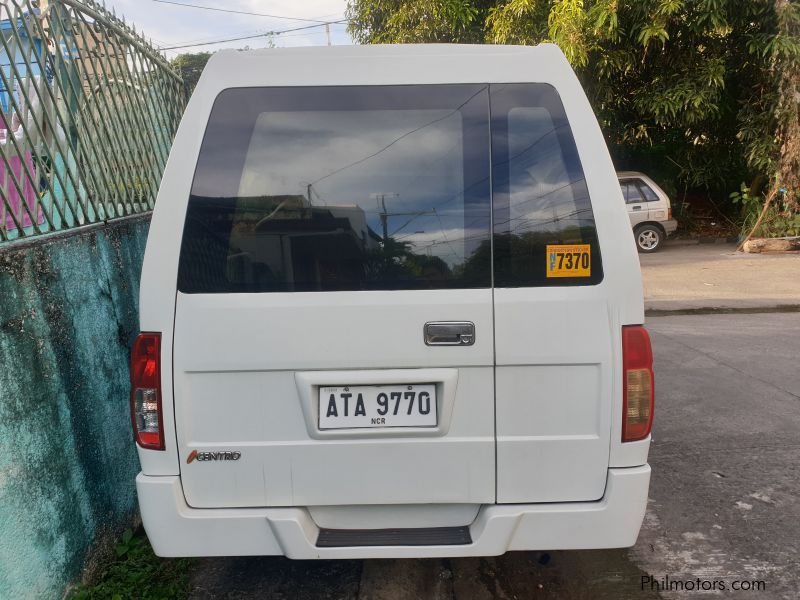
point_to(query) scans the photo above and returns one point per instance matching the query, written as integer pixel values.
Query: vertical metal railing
(89, 110)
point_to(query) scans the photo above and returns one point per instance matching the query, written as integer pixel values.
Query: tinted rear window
(539, 189)
(383, 187)
(344, 188)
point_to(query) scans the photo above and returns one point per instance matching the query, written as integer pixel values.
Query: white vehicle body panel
(175, 529)
(531, 413)
(258, 398)
(553, 399)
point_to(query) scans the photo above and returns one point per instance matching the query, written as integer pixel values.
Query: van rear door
(333, 338)
(554, 317)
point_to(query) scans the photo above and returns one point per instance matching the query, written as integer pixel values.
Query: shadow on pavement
(589, 575)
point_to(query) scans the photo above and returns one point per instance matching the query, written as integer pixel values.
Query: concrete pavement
(723, 497)
(726, 452)
(680, 277)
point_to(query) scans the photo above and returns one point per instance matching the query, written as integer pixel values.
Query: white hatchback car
(390, 307)
(649, 210)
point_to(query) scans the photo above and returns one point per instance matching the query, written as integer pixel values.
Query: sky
(170, 25)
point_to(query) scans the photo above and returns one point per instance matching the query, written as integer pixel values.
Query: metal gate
(89, 110)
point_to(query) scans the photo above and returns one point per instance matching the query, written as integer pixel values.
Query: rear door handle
(449, 333)
(637, 208)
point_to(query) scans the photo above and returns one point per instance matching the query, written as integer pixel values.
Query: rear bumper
(669, 225)
(175, 529)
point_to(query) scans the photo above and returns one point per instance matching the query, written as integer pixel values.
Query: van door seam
(491, 281)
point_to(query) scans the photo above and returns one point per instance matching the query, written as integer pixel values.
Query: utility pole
(384, 221)
(384, 215)
(328, 32)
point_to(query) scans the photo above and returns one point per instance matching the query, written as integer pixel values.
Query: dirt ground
(715, 275)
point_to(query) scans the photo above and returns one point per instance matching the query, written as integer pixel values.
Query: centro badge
(203, 456)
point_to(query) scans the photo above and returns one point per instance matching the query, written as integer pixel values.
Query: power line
(250, 37)
(206, 38)
(397, 139)
(240, 12)
(236, 39)
(254, 32)
(304, 34)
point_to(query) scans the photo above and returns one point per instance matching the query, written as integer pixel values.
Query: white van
(391, 308)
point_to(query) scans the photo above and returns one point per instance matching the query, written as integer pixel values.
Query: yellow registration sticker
(569, 261)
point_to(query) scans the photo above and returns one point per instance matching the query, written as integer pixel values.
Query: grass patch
(136, 573)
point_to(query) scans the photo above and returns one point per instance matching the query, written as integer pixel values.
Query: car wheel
(648, 238)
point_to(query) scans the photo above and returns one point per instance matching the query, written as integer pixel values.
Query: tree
(701, 93)
(410, 21)
(780, 213)
(190, 66)
(785, 56)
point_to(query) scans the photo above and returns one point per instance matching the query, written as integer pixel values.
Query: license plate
(360, 406)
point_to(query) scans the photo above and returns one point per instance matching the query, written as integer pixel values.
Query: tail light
(148, 425)
(637, 385)
(669, 212)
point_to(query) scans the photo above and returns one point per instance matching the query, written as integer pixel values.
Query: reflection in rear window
(385, 188)
(539, 190)
(345, 188)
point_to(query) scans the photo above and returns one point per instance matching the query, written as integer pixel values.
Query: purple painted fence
(28, 188)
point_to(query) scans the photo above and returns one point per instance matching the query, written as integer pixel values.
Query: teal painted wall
(68, 316)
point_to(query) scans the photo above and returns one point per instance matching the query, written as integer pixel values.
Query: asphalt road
(724, 497)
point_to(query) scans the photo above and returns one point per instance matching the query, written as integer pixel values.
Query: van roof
(385, 65)
(387, 50)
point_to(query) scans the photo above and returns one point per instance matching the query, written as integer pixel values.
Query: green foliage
(779, 221)
(784, 53)
(776, 222)
(190, 66)
(696, 92)
(749, 203)
(416, 21)
(137, 573)
(567, 27)
(517, 21)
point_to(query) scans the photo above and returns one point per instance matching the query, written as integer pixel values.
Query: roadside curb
(701, 240)
(722, 310)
